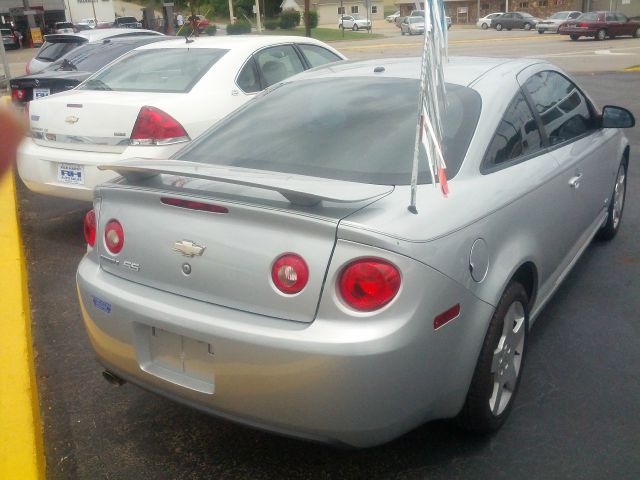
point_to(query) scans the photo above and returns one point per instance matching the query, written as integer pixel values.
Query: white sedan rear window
(170, 70)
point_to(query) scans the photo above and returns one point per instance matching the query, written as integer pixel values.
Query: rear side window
(278, 63)
(168, 70)
(564, 111)
(318, 55)
(354, 129)
(516, 136)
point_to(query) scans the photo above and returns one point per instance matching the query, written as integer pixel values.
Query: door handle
(574, 182)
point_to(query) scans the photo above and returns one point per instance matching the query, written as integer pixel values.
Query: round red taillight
(369, 284)
(90, 227)
(114, 236)
(290, 273)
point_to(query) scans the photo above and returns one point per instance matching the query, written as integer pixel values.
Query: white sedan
(354, 22)
(485, 22)
(150, 102)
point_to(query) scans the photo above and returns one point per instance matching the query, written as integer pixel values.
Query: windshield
(353, 129)
(590, 17)
(169, 70)
(559, 15)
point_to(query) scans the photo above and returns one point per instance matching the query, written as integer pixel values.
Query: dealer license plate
(71, 173)
(41, 92)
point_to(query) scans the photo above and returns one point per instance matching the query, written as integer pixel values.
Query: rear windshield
(64, 25)
(170, 70)
(93, 56)
(51, 51)
(353, 129)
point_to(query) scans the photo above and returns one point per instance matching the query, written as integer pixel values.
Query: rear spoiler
(298, 189)
(64, 38)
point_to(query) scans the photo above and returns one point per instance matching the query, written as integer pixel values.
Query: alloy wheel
(618, 196)
(507, 358)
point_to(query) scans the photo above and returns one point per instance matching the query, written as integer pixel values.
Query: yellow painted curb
(21, 448)
(635, 68)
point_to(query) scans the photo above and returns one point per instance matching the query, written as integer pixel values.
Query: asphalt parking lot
(575, 416)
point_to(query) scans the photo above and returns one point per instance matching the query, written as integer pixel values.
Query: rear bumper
(38, 167)
(355, 381)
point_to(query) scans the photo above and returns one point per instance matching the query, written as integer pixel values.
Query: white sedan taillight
(155, 127)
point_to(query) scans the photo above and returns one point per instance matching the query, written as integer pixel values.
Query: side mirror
(617, 117)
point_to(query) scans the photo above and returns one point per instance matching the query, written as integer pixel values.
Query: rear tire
(484, 26)
(601, 34)
(540, 32)
(498, 26)
(498, 372)
(574, 37)
(355, 27)
(616, 206)
(527, 26)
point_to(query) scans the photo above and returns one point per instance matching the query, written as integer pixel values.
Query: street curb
(21, 446)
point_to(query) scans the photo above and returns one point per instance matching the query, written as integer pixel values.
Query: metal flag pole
(432, 100)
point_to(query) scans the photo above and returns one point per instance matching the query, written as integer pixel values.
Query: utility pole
(307, 25)
(258, 24)
(231, 12)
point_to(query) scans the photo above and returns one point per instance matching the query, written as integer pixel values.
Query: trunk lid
(99, 117)
(234, 251)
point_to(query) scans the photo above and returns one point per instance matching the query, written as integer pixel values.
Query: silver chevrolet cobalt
(271, 273)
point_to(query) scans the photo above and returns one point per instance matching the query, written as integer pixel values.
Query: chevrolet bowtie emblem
(71, 119)
(188, 248)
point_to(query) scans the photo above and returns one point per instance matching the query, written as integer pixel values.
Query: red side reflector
(191, 205)
(90, 227)
(446, 316)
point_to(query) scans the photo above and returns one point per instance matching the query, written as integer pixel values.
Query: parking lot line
(21, 448)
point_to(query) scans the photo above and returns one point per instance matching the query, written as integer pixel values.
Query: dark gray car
(513, 20)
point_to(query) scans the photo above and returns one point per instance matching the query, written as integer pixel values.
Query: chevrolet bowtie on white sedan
(149, 103)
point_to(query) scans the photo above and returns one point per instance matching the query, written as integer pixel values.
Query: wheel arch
(527, 275)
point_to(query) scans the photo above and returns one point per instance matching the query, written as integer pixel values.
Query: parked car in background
(485, 22)
(393, 16)
(151, 102)
(126, 22)
(63, 27)
(412, 25)
(354, 22)
(271, 273)
(89, 22)
(600, 25)
(57, 45)
(201, 21)
(9, 39)
(74, 67)
(552, 24)
(420, 13)
(511, 20)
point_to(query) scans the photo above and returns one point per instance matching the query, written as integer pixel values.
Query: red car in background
(600, 25)
(200, 21)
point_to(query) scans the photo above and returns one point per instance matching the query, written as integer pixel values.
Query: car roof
(235, 42)
(458, 70)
